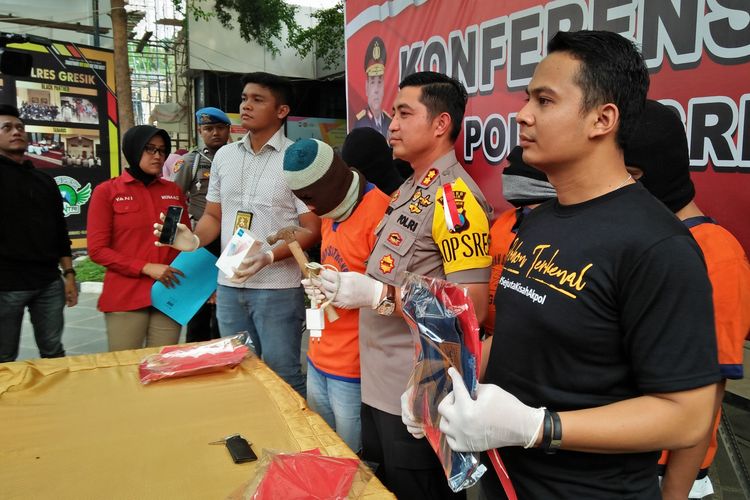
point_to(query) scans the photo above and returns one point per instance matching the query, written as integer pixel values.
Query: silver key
(224, 440)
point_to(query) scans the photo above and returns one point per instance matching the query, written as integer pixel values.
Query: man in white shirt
(247, 188)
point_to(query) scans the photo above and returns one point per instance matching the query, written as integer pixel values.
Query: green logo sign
(73, 195)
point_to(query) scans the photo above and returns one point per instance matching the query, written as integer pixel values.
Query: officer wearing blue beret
(192, 172)
(373, 115)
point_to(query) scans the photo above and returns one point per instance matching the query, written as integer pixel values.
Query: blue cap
(207, 116)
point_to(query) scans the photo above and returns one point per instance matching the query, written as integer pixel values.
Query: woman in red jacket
(120, 237)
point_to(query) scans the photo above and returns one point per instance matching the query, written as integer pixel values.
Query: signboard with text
(698, 53)
(69, 107)
(329, 130)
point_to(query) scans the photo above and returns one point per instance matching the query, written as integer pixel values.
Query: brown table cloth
(85, 427)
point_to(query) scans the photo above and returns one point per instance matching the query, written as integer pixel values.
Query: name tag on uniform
(243, 220)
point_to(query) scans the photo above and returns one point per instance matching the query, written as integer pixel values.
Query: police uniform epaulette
(361, 114)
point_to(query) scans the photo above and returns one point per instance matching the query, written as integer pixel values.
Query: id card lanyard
(244, 217)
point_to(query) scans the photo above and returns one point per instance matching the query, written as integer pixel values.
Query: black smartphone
(240, 450)
(169, 226)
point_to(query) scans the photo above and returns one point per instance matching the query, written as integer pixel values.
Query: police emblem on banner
(73, 195)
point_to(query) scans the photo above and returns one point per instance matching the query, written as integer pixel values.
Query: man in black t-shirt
(604, 343)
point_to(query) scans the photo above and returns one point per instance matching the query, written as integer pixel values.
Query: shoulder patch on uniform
(387, 263)
(429, 177)
(452, 197)
(178, 165)
(395, 239)
(361, 114)
(395, 195)
(419, 202)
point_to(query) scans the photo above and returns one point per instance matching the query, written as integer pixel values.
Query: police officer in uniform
(415, 235)
(191, 174)
(373, 115)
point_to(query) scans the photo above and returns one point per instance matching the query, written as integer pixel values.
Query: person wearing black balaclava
(120, 238)
(350, 208)
(367, 150)
(525, 188)
(657, 156)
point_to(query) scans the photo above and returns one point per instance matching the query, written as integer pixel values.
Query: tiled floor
(83, 334)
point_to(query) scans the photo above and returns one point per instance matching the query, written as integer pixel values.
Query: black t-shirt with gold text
(599, 302)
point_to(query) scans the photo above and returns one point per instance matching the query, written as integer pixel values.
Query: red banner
(698, 52)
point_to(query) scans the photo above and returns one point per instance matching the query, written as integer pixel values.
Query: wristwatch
(68, 271)
(388, 303)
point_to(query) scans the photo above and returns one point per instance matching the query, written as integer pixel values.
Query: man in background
(367, 150)
(33, 243)
(525, 188)
(658, 157)
(192, 173)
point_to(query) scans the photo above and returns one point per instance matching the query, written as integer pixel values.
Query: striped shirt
(242, 180)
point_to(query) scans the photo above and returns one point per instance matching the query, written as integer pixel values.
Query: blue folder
(183, 301)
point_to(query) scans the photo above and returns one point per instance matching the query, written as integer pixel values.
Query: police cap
(375, 57)
(208, 116)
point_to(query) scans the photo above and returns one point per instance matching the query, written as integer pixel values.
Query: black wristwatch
(68, 271)
(551, 432)
(388, 303)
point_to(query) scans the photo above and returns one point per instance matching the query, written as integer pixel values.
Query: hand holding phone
(169, 227)
(180, 238)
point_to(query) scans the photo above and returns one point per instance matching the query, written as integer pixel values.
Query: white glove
(313, 292)
(251, 264)
(350, 290)
(495, 419)
(184, 240)
(414, 428)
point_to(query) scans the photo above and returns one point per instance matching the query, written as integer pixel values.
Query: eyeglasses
(153, 150)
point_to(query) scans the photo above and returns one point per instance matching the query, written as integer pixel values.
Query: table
(85, 427)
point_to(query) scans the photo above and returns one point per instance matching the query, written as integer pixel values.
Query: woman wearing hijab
(120, 237)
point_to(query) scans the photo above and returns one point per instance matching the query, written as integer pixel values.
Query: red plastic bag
(182, 361)
(306, 475)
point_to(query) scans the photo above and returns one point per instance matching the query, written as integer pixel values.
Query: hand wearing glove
(495, 419)
(350, 290)
(414, 428)
(251, 264)
(313, 292)
(185, 240)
